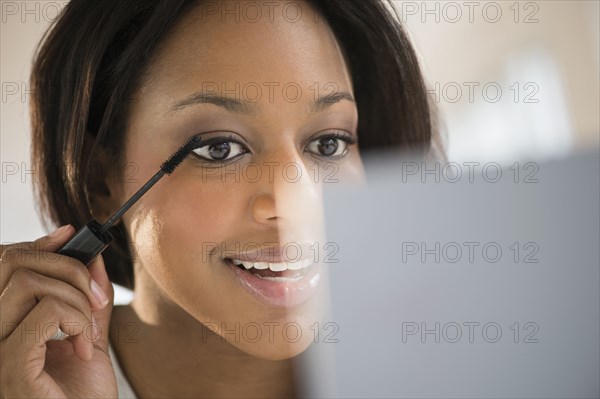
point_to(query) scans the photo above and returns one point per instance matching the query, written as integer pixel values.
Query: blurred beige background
(514, 81)
(543, 56)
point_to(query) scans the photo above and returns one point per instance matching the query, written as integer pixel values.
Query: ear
(103, 187)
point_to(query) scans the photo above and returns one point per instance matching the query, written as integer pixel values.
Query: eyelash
(349, 140)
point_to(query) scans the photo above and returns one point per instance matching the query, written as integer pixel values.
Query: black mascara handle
(88, 242)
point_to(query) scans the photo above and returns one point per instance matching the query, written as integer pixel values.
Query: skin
(182, 296)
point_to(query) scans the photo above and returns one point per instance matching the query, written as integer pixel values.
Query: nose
(264, 208)
(286, 196)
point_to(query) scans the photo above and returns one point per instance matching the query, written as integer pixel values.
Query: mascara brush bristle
(177, 158)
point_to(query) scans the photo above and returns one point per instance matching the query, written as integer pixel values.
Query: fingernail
(98, 293)
(58, 231)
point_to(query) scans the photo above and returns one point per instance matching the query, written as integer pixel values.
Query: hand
(40, 292)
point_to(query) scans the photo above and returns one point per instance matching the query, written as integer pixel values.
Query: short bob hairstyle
(92, 60)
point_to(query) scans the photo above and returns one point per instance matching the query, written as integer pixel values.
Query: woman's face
(262, 84)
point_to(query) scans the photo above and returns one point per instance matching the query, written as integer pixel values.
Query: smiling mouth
(278, 272)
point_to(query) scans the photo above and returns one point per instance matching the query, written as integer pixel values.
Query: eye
(334, 145)
(221, 152)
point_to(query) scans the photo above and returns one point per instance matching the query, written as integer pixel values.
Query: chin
(277, 350)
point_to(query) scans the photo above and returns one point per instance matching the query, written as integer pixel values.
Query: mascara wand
(94, 237)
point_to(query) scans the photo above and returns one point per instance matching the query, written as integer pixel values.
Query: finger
(56, 239)
(26, 288)
(97, 270)
(26, 345)
(48, 243)
(59, 267)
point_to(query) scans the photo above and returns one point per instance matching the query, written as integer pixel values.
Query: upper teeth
(276, 267)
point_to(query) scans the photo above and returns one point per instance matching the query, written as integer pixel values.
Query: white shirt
(123, 386)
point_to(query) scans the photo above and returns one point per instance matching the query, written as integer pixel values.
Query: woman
(120, 85)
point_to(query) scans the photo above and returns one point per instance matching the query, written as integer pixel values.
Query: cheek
(197, 218)
(353, 169)
(196, 210)
(175, 225)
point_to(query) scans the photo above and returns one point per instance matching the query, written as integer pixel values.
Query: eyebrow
(328, 100)
(245, 107)
(230, 104)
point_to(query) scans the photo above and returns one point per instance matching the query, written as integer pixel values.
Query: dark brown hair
(92, 59)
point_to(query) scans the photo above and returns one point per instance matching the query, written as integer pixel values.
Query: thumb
(102, 316)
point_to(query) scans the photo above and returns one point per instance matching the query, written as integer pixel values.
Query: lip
(279, 294)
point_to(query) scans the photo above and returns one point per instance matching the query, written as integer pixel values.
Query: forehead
(219, 45)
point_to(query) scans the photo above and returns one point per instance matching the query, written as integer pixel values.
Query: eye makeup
(335, 135)
(201, 155)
